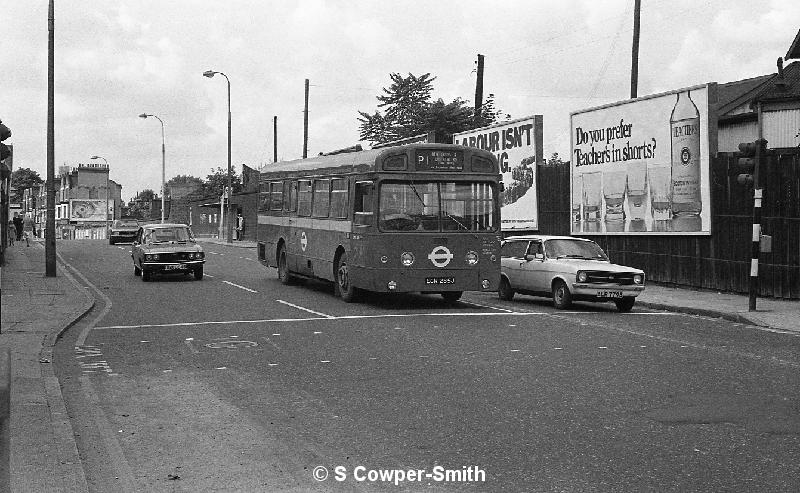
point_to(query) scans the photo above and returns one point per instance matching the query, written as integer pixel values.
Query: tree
(410, 112)
(183, 180)
(218, 180)
(23, 178)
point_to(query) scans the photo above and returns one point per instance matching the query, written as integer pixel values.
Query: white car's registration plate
(173, 267)
(609, 294)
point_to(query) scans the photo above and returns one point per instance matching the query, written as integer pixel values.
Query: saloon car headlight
(638, 279)
(471, 258)
(582, 276)
(407, 259)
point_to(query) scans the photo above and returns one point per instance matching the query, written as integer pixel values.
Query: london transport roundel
(440, 256)
(303, 240)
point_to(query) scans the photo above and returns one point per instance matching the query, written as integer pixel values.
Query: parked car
(566, 269)
(166, 249)
(123, 230)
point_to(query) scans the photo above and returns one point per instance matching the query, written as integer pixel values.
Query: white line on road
(240, 287)
(487, 306)
(311, 319)
(304, 309)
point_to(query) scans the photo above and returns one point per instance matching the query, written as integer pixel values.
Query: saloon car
(123, 230)
(166, 249)
(566, 269)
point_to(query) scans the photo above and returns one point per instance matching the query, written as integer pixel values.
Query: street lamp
(209, 74)
(108, 171)
(163, 166)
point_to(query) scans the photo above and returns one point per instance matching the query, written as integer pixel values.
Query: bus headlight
(471, 258)
(638, 279)
(384, 259)
(392, 285)
(485, 284)
(582, 277)
(407, 258)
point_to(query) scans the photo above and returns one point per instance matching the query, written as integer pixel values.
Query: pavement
(36, 309)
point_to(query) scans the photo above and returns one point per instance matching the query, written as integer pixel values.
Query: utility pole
(757, 195)
(635, 49)
(274, 139)
(50, 224)
(479, 90)
(305, 125)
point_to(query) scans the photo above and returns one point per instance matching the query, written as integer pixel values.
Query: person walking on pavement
(28, 229)
(18, 224)
(12, 232)
(239, 227)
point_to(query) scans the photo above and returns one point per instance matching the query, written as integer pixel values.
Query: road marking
(240, 287)
(188, 342)
(322, 317)
(208, 275)
(486, 306)
(304, 309)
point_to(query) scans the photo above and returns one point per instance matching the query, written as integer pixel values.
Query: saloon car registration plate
(173, 267)
(440, 280)
(609, 294)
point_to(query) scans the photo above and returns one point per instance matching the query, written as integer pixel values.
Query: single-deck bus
(412, 218)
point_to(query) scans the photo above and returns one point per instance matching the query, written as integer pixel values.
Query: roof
(784, 85)
(794, 50)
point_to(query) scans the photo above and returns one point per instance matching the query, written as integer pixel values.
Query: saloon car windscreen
(565, 248)
(169, 234)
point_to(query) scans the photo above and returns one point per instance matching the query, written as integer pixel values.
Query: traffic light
(5, 133)
(749, 154)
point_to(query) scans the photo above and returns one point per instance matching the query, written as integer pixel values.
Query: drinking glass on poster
(659, 178)
(577, 197)
(636, 190)
(614, 194)
(592, 195)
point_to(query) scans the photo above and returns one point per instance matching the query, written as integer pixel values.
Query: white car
(567, 269)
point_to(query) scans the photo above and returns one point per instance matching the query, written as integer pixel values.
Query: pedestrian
(12, 232)
(18, 225)
(239, 227)
(28, 229)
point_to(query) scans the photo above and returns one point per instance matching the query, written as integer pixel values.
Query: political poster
(518, 147)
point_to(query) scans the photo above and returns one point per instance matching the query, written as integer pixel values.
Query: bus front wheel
(345, 288)
(452, 296)
(283, 267)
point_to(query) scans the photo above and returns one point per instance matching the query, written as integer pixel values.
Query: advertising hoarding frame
(517, 144)
(87, 210)
(687, 223)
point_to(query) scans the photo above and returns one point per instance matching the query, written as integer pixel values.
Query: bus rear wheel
(345, 288)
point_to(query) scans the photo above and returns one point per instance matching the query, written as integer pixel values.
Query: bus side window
(276, 194)
(339, 198)
(263, 196)
(290, 196)
(363, 202)
(304, 198)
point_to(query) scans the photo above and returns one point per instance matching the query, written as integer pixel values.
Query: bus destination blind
(439, 160)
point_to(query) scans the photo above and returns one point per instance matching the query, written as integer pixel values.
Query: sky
(117, 59)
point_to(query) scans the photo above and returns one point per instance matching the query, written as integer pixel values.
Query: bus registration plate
(440, 280)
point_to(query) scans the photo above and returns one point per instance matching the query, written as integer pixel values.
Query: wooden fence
(720, 261)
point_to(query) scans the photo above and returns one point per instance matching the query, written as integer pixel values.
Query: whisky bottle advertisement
(685, 139)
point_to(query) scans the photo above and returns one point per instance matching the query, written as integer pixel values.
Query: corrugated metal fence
(720, 261)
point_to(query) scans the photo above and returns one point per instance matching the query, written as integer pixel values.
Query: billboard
(518, 147)
(642, 166)
(87, 210)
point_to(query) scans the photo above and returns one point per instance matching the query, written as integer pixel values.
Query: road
(238, 383)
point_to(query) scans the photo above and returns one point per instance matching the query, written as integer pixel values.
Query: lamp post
(163, 166)
(209, 74)
(108, 171)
